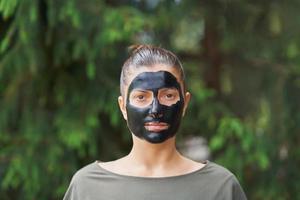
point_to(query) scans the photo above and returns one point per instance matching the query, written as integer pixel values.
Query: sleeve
(237, 190)
(71, 193)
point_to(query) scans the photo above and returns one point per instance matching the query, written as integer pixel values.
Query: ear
(121, 102)
(187, 98)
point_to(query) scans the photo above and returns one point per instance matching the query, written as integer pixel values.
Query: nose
(154, 111)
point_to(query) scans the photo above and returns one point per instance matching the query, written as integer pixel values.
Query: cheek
(177, 108)
(174, 112)
(136, 114)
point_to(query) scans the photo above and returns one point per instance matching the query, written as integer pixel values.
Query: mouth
(156, 126)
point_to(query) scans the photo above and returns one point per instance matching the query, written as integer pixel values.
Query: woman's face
(154, 103)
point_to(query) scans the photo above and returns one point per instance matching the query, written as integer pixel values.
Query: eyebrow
(169, 88)
(140, 90)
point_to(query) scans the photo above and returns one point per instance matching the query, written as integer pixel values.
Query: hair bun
(132, 49)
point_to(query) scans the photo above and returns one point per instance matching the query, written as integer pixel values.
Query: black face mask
(155, 112)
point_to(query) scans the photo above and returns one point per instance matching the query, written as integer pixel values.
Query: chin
(157, 138)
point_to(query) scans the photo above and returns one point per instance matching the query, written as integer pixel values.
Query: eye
(169, 96)
(140, 97)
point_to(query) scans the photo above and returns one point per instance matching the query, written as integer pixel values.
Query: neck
(151, 156)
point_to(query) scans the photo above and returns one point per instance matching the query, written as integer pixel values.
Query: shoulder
(217, 170)
(216, 175)
(84, 173)
(226, 181)
(79, 180)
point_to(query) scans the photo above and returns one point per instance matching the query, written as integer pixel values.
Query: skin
(162, 159)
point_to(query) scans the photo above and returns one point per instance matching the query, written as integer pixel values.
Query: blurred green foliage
(59, 73)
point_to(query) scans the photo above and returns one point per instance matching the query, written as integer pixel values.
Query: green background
(60, 62)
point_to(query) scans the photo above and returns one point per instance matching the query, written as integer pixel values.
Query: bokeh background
(60, 62)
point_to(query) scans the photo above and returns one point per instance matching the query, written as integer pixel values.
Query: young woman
(153, 101)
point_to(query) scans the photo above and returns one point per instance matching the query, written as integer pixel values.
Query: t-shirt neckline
(206, 162)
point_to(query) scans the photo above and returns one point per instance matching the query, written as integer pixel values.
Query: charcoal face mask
(155, 112)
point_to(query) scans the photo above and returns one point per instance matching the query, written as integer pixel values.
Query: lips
(156, 126)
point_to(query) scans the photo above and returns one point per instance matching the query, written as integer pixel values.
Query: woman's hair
(148, 56)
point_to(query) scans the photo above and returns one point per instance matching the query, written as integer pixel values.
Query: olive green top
(210, 182)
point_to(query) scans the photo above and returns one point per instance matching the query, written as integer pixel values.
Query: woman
(153, 101)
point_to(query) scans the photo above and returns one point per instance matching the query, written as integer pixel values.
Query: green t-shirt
(208, 183)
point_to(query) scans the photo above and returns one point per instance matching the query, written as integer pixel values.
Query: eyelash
(142, 98)
(169, 96)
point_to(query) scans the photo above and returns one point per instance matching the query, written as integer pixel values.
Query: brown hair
(147, 56)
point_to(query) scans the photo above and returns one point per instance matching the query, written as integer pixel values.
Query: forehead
(154, 81)
(155, 68)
